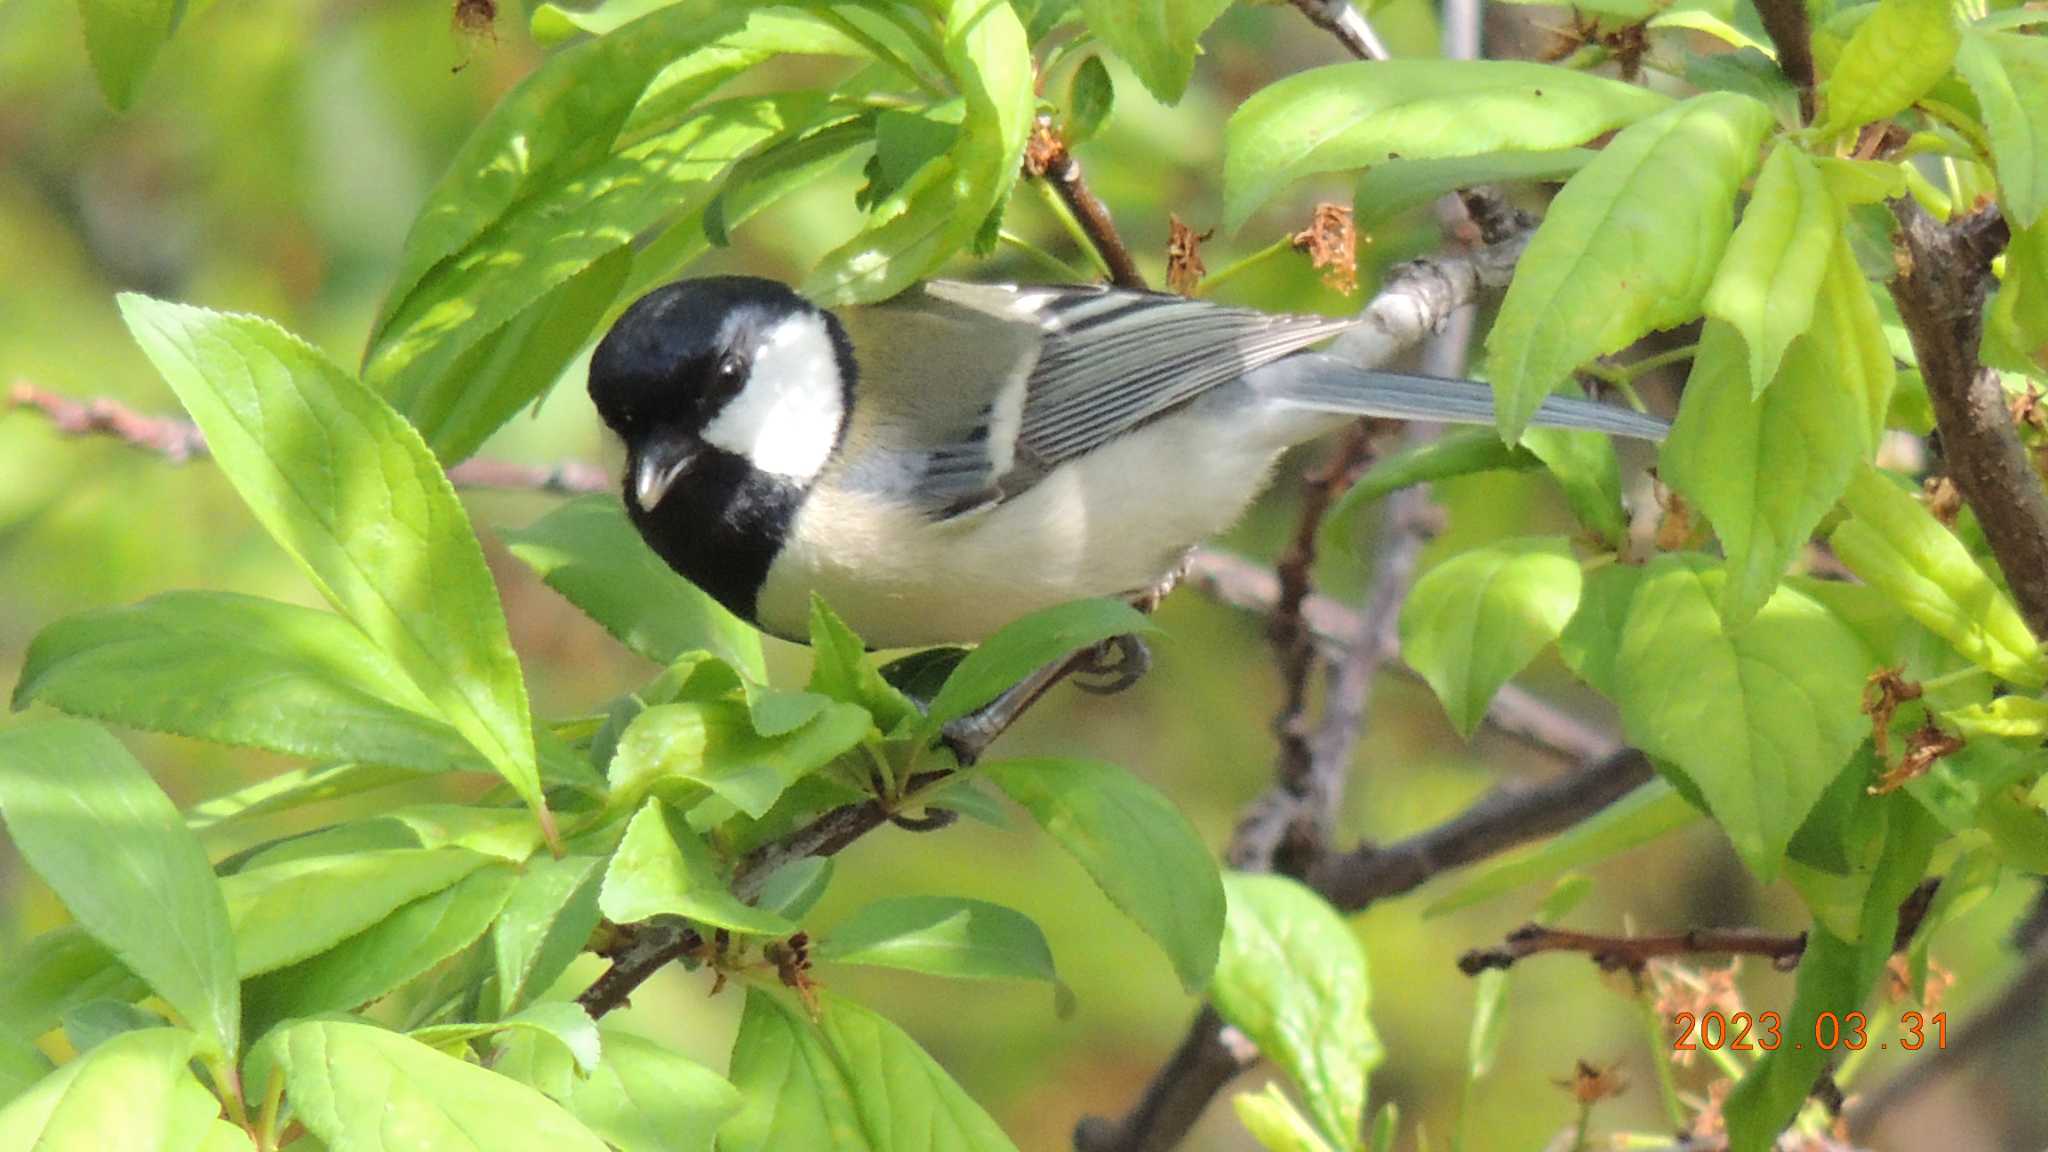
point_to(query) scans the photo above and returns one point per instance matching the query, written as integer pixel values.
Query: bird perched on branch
(943, 463)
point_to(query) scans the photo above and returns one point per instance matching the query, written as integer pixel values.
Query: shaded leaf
(1345, 116)
(1157, 38)
(1021, 648)
(1135, 845)
(99, 831)
(1395, 186)
(123, 37)
(55, 972)
(1649, 813)
(942, 935)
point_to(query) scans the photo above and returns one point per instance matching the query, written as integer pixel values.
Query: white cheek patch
(787, 417)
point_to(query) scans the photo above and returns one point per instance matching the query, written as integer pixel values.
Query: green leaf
(535, 247)
(545, 922)
(1346, 116)
(1157, 38)
(1275, 1123)
(1452, 454)
(1475, 620)
(766, 176)
(123, 38)
(794, 889)
(589, 552)
(1136, 846)
(1629, 246)
(288, 911)
(106, 839)
(1395, 186)
(1590, 643)
(942, 935)
(684, 751)
(1026, 645)
(1835, 975)
(2008, 73)
(1292, 978)
(240, 670)
(2016, 327)
(1090, 96)
(1771, 274)
(940, 211)
(92, 1024)
(1766, 469)
(349, 490)
(563, 1027)
(1896, 545)
(1586, 468)
(840, 670)
(354, 1086)
(1649, 813)
(850, 1082)
(388, 955)
(663, 869)
(1782, 697)
(644, 1098)
(1894, 57)
(313, 784)
(21, 1065)
(55, 972)
(129, 1093)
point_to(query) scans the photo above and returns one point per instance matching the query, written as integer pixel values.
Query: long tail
(1328, 384)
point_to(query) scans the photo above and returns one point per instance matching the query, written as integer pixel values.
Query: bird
(940, 464)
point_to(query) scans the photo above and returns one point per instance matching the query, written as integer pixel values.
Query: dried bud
(1184, 267)
(1332, 246)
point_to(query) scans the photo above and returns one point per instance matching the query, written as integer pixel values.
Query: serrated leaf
(684, 751)
(350, 491)
(1475, 620)
(1629, 246)
(849, 1082)
(1292, 978)
(386, 956)
(1157, 38)
(1394, 186)
(123, 37)
(1650, 812)
(1136, 846)
(643, 1098)
(537, 246)
(1783, 697)
(2008, 73)
(241, 670)
(1767, 469)
(1771, 274)
(944, 936)
(587, 550)
(545, 922)
(128, 1093)
(313, 784)
(354, 1086)
(1022, 647)
(287, 911)
(940, 212)
(1345, 116)
(1896, 545)
(663, 869)
(98, 830)
(1904, 48)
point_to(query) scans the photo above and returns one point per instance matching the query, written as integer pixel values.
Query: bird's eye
(732, 371)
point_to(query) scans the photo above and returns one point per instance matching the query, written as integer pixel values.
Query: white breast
(1110, 523)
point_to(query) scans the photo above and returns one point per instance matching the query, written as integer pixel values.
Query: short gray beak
(660, 463)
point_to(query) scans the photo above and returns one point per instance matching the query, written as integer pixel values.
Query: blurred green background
(272, 164)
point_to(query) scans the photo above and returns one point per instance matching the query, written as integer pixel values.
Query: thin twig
(1047, 157)
(1940, 295)
(1344, 21)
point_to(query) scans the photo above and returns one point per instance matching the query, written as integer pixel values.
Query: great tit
(938, 465)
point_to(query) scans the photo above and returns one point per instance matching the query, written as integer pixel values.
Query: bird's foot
(1113, 665)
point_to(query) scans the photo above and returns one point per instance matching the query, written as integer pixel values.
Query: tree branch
(1940, 297)
(1612, 953)
(1047, 157)
(1789, 28)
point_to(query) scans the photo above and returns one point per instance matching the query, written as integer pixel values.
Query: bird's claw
(1113, 665)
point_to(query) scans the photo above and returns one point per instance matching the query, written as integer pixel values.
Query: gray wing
(1034, 376)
